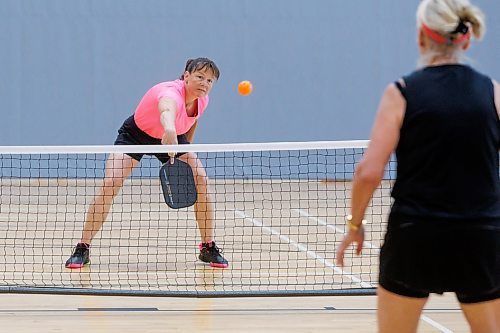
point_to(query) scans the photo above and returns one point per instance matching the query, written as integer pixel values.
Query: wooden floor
(277, 235)
(96, 314)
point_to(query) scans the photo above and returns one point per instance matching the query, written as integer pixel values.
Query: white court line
(329, 226)
(303, 248)
(437, 325)
(319, 221)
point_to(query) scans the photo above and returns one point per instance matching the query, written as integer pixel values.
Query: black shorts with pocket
(421, 256)
(130, 134)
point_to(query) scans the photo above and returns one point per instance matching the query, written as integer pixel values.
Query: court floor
(59, 313)
(278, 236)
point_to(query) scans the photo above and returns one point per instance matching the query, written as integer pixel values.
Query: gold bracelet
(351, 226)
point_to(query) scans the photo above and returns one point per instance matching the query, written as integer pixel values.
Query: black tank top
(447, 155)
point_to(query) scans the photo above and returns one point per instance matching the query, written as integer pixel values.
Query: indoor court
(201, 166)
(102, 314)
(279, 217)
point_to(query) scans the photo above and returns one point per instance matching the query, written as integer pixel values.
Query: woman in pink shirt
(167, 114)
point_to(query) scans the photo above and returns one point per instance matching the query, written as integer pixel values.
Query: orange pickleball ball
(245, 88)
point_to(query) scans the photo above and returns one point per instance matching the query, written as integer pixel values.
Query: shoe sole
(75, 265)
(216, 265)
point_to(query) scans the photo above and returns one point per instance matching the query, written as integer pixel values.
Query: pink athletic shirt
(147, 115)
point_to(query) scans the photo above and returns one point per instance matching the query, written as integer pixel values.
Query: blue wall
(72, 71)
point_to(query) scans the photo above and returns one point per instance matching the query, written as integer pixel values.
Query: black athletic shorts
(130, 134)
(436, 256)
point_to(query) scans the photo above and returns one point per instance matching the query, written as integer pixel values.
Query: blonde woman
(443, 233)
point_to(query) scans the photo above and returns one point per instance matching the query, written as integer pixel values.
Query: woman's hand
(352, 236)
(170, 138)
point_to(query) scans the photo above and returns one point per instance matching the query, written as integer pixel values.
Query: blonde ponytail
(475, 17)
(443, 16)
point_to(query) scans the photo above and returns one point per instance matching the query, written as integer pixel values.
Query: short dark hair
(199, 64)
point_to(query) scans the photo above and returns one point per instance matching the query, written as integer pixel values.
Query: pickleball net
(279, 215)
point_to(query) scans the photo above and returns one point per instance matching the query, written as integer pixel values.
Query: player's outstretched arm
(168, 110)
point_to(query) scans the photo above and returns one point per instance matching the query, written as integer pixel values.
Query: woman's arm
(370, 170)
(168, 110)
(383, 141)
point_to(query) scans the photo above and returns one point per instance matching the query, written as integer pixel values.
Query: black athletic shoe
(211, 254)
(79, 257)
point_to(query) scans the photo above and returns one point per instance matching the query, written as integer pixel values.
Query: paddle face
(177, 183)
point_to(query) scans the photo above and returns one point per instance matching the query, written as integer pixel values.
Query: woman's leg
(204, 209)
(204, 206)
(118, 168)
(483, 316)
(398, 314)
